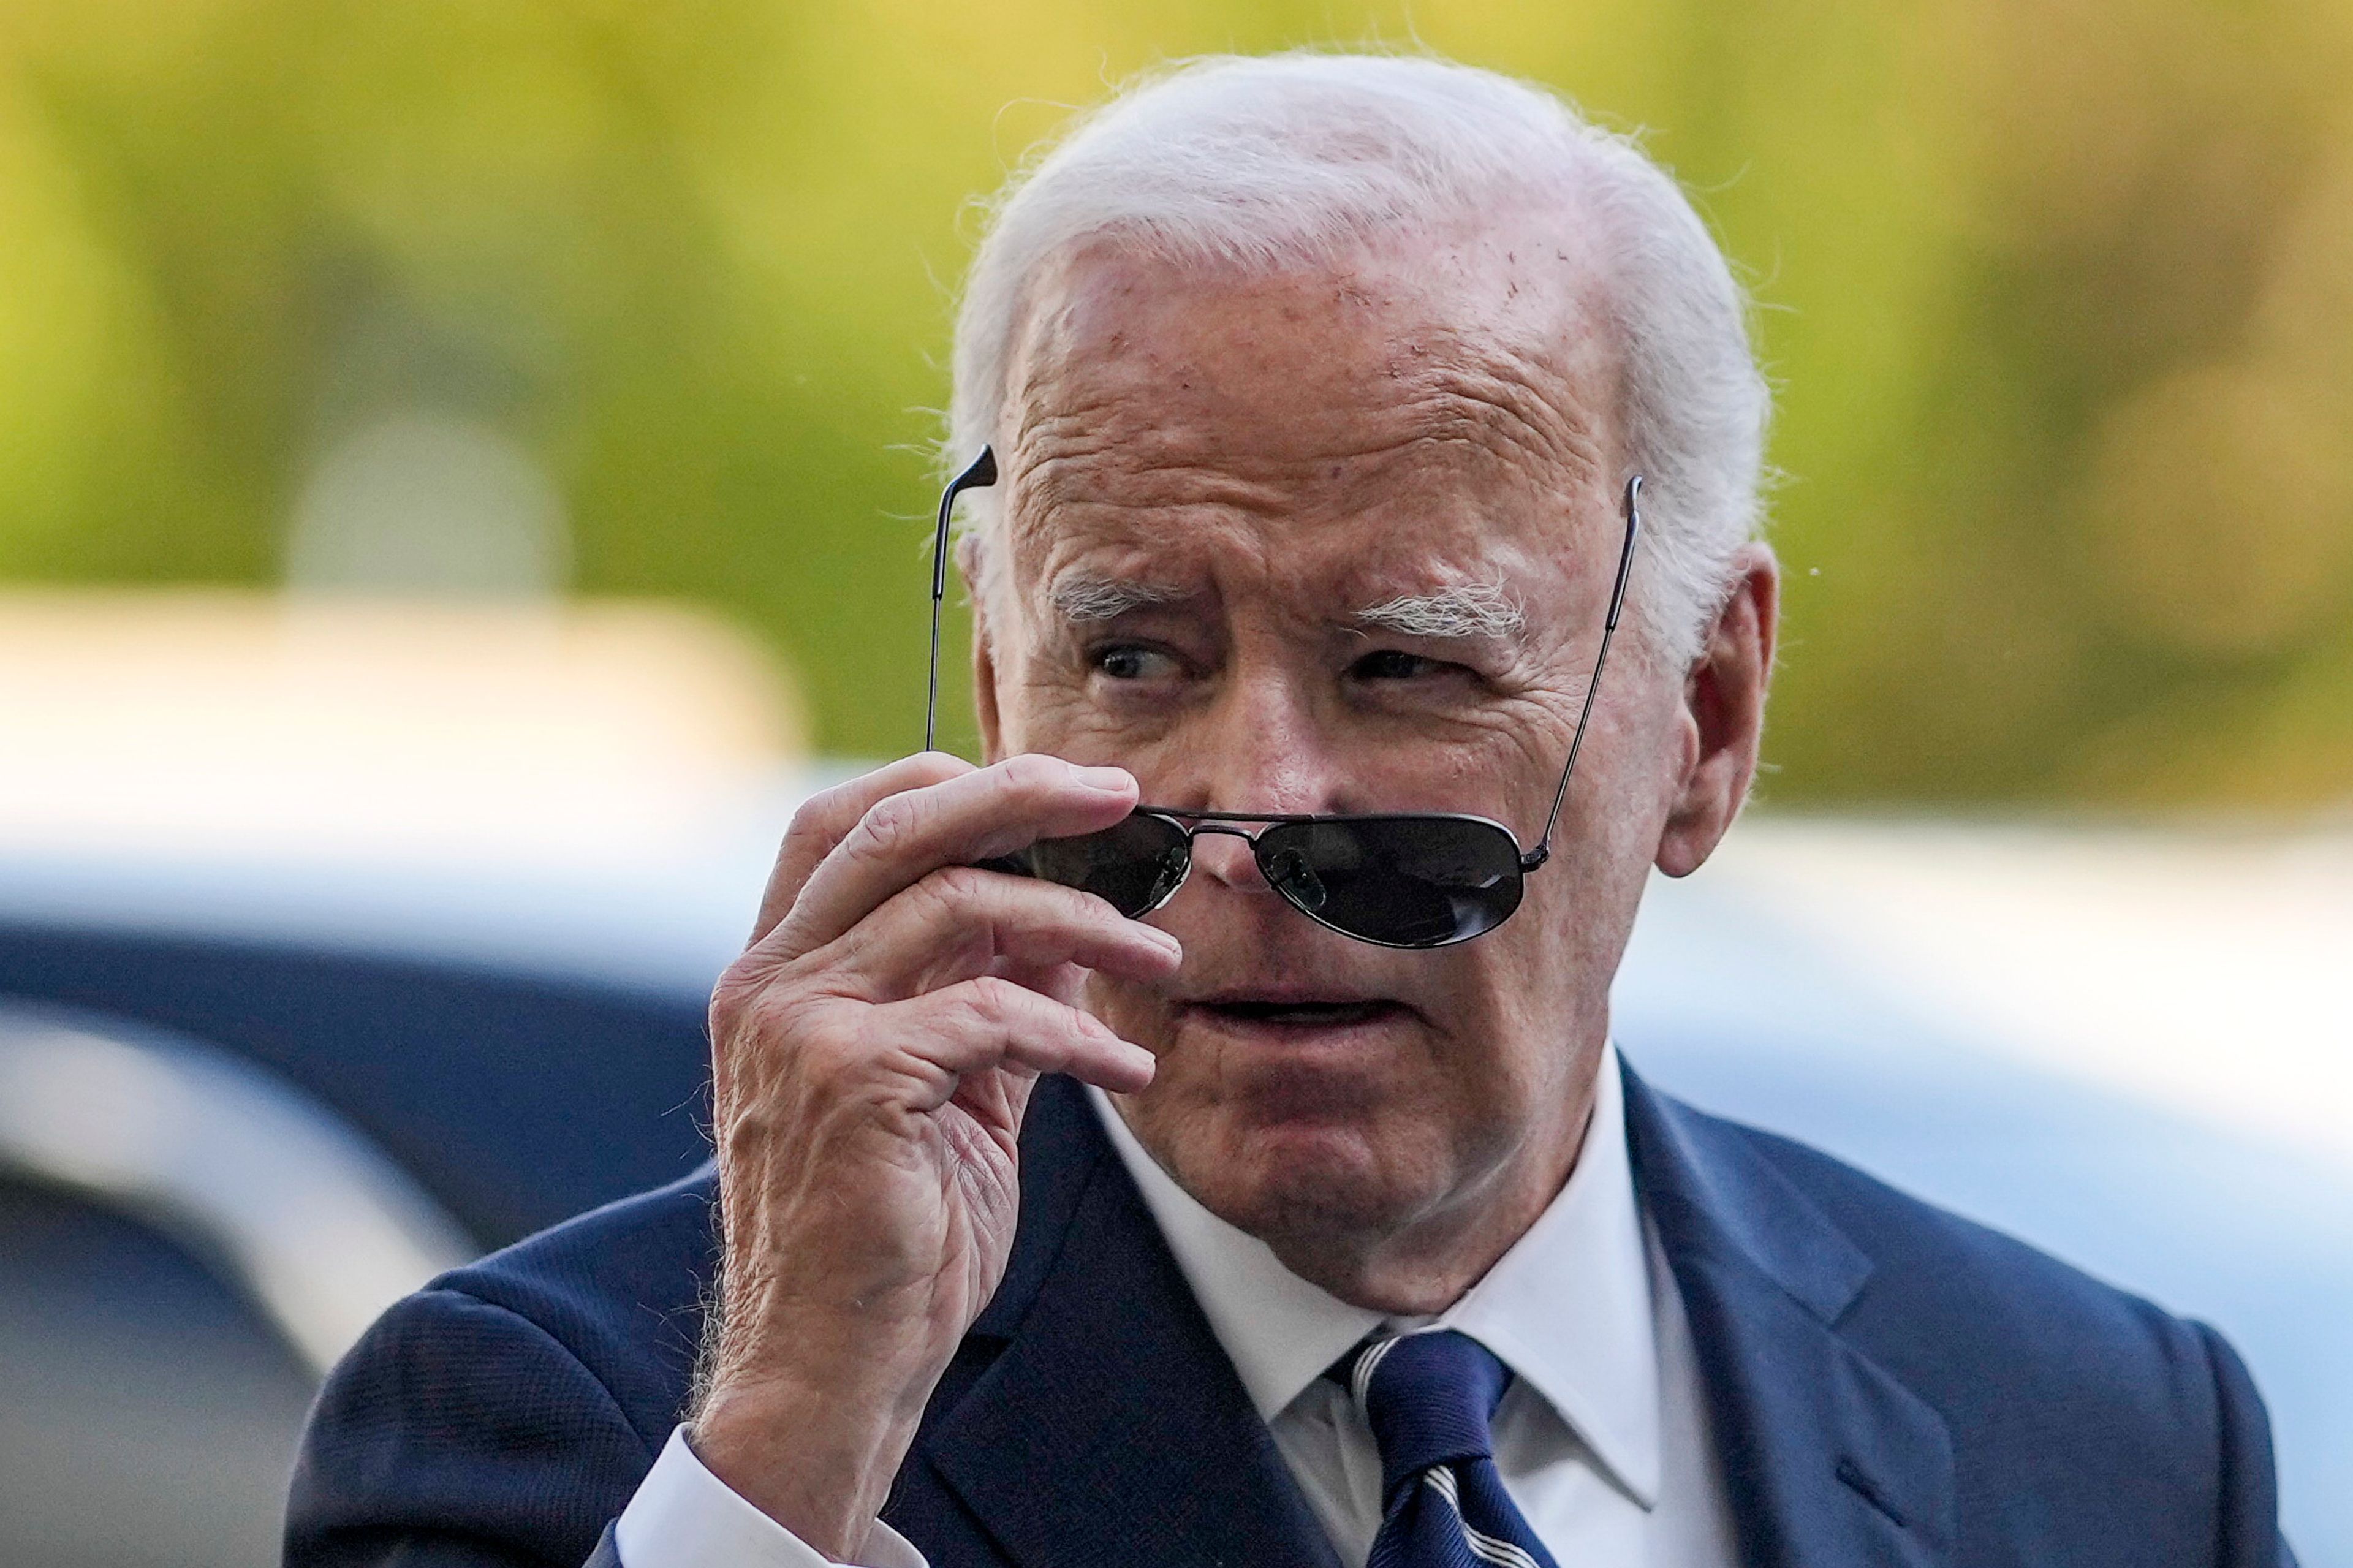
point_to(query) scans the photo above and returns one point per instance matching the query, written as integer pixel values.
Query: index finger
(905, 838)
(826, 818)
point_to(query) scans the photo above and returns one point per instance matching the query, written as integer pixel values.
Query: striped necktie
(1428, 1398)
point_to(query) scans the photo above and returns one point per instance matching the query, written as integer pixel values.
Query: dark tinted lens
(1133, 866)
(1409, 881)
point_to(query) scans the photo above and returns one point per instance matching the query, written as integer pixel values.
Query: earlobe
(1674, 856)
(1721, 717)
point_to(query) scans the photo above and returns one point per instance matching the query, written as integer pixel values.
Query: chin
(1302, 1117)
(1301, 1179)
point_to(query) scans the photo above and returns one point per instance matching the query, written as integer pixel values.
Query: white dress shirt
(1602, 1439)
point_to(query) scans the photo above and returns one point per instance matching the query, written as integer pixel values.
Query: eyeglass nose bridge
(1194, 830)
(1286, 870)
(1230, 830)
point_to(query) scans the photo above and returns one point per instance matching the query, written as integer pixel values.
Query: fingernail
(1111, 781)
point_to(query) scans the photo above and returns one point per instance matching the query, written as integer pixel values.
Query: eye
(1395, 664)
(1131, 662)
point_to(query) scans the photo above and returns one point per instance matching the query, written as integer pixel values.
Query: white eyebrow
(1084, 596)
(1465, 610)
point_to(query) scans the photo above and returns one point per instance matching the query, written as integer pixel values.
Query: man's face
(1220, 488)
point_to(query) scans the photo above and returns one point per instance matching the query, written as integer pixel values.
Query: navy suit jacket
(1888, 1385)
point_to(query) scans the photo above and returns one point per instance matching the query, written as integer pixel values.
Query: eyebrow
(1086, 596)
(1464, 610)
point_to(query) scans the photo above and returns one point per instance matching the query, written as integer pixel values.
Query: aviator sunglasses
(1401, 878)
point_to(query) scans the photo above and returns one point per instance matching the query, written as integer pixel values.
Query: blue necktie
(1428, 1398)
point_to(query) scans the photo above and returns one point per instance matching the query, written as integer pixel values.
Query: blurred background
(464, 472)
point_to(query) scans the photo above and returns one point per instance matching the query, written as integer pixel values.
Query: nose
(1226, 860)
(1261, 749)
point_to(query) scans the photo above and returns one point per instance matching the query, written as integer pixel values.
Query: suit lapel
(1829, 1459)
(1112, 1428)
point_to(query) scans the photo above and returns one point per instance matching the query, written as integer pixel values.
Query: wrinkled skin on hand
(874, 1048)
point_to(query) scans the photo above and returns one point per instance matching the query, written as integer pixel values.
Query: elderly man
(1196, 1136)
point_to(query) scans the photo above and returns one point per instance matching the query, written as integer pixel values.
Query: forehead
(1402, 417)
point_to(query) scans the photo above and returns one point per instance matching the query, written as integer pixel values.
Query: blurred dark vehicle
(342, 938)
(220, 1155)
(241, 1109)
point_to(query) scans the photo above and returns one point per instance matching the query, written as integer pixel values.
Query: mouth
(1298, 1013)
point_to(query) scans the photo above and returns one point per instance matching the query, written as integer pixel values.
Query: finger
(1064, 983)
(903, 838)
(961, 921)
(824, 818)
(987, 1023)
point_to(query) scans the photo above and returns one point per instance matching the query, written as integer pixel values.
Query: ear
(1722, 715)
(984, 655)
(984, 694)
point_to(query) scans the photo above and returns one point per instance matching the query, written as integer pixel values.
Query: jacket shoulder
(1930, 1264)
(622, 1288)
(2046, 1378)
(505, 1413)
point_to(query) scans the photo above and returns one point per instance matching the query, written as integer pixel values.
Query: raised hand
(874, 1048)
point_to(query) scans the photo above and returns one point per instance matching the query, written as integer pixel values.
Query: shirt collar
(1568, 1307)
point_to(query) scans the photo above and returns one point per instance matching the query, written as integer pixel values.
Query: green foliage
(2060, 294)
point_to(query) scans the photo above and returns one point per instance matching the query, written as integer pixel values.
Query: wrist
(819, 1460)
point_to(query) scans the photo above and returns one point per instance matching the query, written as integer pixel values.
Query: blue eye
(1126, 661)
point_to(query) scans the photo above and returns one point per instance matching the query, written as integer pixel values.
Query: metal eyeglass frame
(982, 473)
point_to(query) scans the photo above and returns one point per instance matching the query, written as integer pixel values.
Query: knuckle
(1067, 913)
(739, 984)
(747, 1012)
(822, 815)
(826, 806)
(995, 1000)
(805, 842)
(1082, 909)
(958, 890)
(890, 825)
(1032, 774)
(728, 997)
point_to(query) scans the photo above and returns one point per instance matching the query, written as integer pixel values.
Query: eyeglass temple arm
(979, 476)
(1543, 851)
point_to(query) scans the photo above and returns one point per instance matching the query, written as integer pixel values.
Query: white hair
(1295, 159)
(1464, 610)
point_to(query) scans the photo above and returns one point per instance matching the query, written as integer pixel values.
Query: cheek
(1498, 1010)
(1134, 1012)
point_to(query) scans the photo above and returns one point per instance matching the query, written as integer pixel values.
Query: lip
(1295, 1014)
(1285, 996)
(1304, 1072)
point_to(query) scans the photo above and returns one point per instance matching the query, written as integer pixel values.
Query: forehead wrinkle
(1533, 396)
(1492, 336)
(1137, 479)
(1114, 476)
(1495, 402)
(1488, 414)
